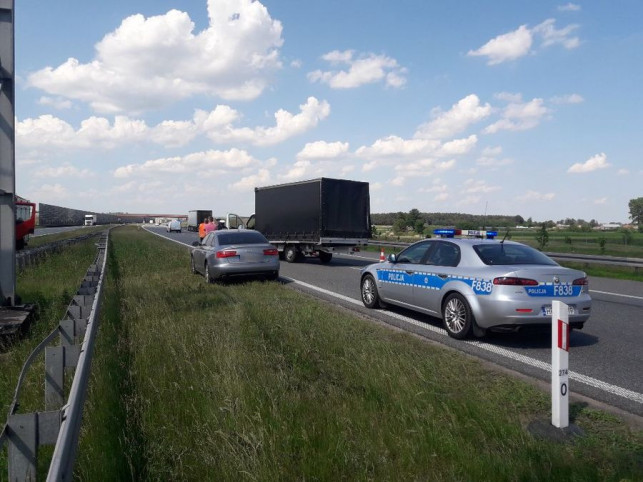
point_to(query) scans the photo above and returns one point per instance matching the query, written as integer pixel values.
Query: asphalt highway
(605, 358)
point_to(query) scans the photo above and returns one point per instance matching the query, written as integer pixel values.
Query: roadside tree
(636, 211)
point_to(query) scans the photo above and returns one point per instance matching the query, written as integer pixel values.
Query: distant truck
(316, 218)
(196, 217)
(91, 219)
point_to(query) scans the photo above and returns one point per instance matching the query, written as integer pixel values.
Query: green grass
(34, 242)
(50, 286)
(255, 381)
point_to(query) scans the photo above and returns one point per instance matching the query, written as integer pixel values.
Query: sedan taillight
(510, 281)
(271, 252)
(226, 254)
(581, 281)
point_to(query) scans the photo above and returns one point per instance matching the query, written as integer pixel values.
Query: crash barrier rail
(32, 256)
(636, 263)
(59, 425)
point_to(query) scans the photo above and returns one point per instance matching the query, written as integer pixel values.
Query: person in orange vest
(202, 229)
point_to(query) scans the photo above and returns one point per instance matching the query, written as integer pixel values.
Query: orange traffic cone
(382, 257)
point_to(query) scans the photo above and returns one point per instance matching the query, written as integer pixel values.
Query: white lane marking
(533, 362)
(616, 294)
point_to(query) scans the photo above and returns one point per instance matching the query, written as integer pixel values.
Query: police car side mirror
(392, 258)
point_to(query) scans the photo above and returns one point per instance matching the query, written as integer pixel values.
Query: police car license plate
(547, 310)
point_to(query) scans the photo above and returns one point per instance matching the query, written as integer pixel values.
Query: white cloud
(518, 43)
(48, 131)
(362, 69)
(461, 115)
(286, 125)
(55, 102)
(602, 200)
(212, 161)
(66, 171)
(260, 178)
(623, 172)
(321, 150)
(530, 196)
(569, 7)
(568, 99)
(508, 46)
(598, 161)
(51, 193)
(552, 36)
(519, 117)
(478, 186)
(150, 62)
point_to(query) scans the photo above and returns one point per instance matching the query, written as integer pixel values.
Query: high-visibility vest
(202, 230)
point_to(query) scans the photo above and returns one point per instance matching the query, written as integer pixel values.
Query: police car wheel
(457, 316)
(370, 295)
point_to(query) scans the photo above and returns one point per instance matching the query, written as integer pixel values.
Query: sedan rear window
(240, 237)
(505, 254)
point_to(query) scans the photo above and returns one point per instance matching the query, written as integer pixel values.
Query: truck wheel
(291, 254)
(325, 257)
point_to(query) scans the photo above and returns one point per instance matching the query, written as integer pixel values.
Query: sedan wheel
(457, 316)
(370, 295)
(208, 278)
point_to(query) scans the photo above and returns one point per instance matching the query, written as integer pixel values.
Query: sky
(508, 107)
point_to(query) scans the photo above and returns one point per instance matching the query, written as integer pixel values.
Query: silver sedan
(229, 252)
(475, 285)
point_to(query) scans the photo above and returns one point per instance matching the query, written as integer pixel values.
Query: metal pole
(7, 156)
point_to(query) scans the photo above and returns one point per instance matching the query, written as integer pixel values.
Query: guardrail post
(26, 432)
(23, 446)
(559, 364)
(54, 374)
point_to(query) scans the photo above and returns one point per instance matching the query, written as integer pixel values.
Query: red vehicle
(25, 221)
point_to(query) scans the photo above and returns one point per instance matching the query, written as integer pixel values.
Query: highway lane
(606, 359)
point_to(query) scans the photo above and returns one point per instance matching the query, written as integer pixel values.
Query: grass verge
(255, 381)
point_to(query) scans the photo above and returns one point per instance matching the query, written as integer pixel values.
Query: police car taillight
(511, 281)
(581, 281)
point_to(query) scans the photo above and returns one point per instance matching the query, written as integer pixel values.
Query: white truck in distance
(91, 219)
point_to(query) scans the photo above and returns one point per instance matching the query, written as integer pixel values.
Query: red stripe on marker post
(563, 335)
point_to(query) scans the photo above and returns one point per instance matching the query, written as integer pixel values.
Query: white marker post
(559, 364)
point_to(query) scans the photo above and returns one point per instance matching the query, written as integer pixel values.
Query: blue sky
(509, 107)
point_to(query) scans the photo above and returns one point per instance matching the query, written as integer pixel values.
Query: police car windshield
(506, 254)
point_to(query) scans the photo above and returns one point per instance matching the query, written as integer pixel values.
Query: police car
(476, 283)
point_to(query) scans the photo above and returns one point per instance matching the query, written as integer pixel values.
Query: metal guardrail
(636, 263)
(59, 425)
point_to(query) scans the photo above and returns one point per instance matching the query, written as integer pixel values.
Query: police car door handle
(443, 276)
(410, 271)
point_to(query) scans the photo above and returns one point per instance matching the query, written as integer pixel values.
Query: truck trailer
(196, 217)
(317, 217)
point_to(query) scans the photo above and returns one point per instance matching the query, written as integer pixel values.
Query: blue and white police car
(476, 283)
